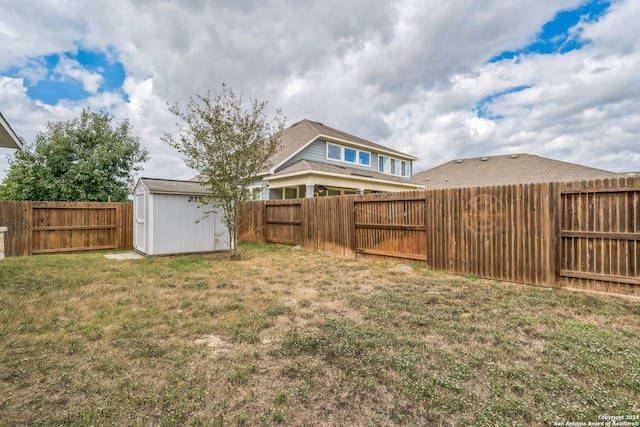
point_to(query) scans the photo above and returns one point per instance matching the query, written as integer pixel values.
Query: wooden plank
(392, 226)
(599, 190)
(412, 197)
(599, 235)
(77, 249)
(39, 205)
(283, 241)
(284, 222)
(75, 227)
(600, 277)
(402, 255)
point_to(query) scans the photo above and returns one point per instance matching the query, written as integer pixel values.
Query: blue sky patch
(556, 35)
(482, 108)
(72, 76)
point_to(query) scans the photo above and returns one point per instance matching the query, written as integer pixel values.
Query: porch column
(2, 231)
(309, 190)
(360, 190)
(264, 193)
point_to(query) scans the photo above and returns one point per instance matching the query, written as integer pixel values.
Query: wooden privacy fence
(48, 227)
(582, 235)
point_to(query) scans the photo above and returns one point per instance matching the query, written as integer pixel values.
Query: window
(364, 158)
(383, 164)
(392, 166)
(405, 169)
(395, 170)
(348, 155)
(290, 193)
(334, 152)
(339, 191)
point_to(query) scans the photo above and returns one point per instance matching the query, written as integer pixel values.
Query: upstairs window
(383, 164)
(348, 155)
(334, 152)
(364, 158)
(392, 166)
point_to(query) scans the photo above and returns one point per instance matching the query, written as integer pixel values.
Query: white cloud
(69, 68)
(407, 73)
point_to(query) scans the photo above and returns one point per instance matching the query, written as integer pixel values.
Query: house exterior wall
(317, 152)
(336, 182)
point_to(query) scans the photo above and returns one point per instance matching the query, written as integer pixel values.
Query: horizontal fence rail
(54, 227)
(600, 236)
(582, 235)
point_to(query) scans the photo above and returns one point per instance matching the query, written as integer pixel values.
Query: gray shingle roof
(505, 170)
(311, 166)
(297, 136)
(170, 186)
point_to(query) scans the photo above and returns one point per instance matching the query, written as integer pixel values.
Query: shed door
(140, 228)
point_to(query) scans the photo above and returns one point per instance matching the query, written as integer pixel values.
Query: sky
(437, 80)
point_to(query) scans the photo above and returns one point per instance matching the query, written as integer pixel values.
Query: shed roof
(172, 186)
(506, 170)
(8, 137)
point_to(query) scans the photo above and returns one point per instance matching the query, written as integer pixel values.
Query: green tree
(82, 160)
(228, 142)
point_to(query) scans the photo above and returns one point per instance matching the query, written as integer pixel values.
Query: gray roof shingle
(505, 170)
(295, 137)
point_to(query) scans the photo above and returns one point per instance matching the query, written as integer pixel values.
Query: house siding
(317, 152)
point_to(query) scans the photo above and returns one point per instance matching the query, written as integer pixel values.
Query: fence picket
(583, 234)
(50, 227)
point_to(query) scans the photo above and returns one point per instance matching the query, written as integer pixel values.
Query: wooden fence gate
(51, 227)
(283, 221)
(394, 228)
(600, 238)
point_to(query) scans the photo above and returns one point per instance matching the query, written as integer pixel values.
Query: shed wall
(180, 226)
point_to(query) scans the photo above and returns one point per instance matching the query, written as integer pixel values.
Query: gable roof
(8, 137)
(171, 186)
(505, 170)
(308, 166)
(300, 134)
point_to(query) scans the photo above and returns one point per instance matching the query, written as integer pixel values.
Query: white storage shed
(169, 218)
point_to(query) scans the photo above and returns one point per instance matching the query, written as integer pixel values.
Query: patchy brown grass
(290, 337)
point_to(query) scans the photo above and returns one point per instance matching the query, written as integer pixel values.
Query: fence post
(118, 220)
(264, 220)
(2, 231)
(29, 227)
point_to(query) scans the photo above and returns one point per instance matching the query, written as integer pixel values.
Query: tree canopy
(228, 141)
(87, 159)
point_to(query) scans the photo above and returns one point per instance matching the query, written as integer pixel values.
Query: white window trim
(341, 190)
(284, 192)
(387, 166)
(342, 148)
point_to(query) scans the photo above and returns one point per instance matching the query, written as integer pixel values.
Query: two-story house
(315, 160)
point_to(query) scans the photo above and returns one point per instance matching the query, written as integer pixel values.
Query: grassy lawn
(290, 337)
